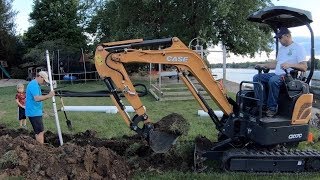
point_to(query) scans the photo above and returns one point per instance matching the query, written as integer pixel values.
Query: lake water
(238, 75)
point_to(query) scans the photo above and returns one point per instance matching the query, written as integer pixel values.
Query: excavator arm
(111, 57)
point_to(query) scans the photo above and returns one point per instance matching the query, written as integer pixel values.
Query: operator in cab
(291, 55)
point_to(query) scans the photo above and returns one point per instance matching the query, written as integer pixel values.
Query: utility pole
(58, 65)
(84, 67)
(224, 57)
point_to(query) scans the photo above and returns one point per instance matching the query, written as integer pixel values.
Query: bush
(19, 73)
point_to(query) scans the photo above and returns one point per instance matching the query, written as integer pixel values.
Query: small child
(21, 101)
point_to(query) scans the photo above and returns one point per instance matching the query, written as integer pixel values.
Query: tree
(11, 46)
(53, 20)
(7, 30)
(57, 25)
(215, 20)
(239, 35)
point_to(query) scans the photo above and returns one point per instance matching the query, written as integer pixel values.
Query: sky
(24, 7)
(309, 5)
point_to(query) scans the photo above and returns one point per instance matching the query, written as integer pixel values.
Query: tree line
(69, 26)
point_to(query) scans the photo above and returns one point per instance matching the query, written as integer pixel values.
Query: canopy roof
(281, 16)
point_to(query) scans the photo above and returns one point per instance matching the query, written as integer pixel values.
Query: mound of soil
(23, 156)
(84, 156)
(173, 124)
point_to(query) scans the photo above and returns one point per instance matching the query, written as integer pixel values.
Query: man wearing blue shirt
(290, 56)
(34, 104)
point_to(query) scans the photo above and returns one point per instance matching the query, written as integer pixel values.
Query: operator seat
(292, 88)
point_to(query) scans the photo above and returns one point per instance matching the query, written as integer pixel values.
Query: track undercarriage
(280, 158)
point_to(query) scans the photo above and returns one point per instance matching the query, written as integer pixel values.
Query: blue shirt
(33, 107)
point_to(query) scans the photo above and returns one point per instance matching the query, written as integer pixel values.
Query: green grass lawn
(112, 125)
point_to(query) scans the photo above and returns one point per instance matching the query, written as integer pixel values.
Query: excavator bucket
(161, 142)
(166, 132)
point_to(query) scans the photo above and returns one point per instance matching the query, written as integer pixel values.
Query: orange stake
(310, 137)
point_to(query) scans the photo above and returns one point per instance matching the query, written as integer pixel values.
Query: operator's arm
(44, 97)
(301, 66)
(269, 65)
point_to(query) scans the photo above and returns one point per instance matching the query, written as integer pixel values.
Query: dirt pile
(135, 150)
(84, 156)
(23, 156)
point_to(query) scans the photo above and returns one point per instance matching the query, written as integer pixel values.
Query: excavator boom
(111, 57)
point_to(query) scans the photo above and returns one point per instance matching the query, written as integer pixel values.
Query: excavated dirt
(173, 124)
(23, 156)
(84, 156)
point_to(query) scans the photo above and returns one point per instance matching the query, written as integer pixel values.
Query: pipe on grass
(202, 113)
(106, 109)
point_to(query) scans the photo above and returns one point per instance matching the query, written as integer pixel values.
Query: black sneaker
(271, 113)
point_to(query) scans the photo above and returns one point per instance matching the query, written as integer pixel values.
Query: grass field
(112, 125)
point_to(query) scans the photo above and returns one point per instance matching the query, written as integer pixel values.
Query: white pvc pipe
(53, 99)
(219, 114)
(106, 109)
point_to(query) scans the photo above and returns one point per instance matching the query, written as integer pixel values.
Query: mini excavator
(247, 141)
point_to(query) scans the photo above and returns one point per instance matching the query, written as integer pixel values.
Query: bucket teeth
(198, 160)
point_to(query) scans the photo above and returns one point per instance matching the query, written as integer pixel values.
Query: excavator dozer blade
(161, 142)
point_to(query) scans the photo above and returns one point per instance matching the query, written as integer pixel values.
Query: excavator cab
(295, 83)
(253, 142)
(295, 89)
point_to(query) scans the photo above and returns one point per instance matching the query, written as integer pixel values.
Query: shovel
(69, 124)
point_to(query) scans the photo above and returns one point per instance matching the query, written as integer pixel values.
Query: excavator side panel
(302, 109)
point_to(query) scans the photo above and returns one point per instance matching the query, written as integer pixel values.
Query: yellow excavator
(248, 141)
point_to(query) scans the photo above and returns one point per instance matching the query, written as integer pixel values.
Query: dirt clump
(173, 124)
(203, 143)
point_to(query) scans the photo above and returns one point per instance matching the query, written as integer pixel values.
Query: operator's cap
(282, 31)
(44, 75)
